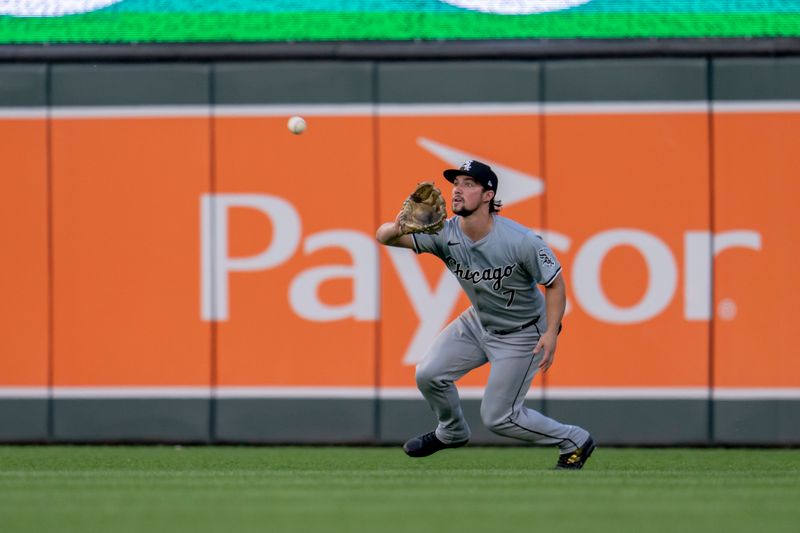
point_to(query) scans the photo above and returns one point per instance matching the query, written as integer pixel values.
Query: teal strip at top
(439, 6)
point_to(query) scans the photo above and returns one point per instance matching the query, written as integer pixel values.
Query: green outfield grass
(491, 490)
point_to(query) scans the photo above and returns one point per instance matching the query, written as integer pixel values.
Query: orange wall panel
(757, 190)
(620, 187)
(137, 261)
(24, 241)
(308, 316)
(126, 251)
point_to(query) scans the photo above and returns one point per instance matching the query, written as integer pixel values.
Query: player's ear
(491, 195)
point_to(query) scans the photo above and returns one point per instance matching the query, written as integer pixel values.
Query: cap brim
(451, 173)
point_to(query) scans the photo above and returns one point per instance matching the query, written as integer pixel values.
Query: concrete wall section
(179, 267)
(756, 184)
(125, 247)
(286, 323)
(25, 335)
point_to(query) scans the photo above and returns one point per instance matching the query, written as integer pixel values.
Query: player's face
(468, 196)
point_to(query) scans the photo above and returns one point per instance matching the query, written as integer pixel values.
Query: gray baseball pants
(465, 345)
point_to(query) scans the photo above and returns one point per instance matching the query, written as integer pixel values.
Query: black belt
(531, 322)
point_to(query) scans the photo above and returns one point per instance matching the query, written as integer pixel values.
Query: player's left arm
(555, 296)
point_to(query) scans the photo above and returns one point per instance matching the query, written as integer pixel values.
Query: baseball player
(511, 324)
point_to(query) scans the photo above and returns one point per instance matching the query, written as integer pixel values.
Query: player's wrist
(396, 230)
(388, 232)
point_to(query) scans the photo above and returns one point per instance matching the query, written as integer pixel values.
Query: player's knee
(496, 420)
(499, 426)
(427, 380)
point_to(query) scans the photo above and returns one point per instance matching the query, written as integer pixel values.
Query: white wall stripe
(472, 109)
(757, 394)
(306, 110)
(624, 108)
(295, 392)
(23, 392)
(625, 393)
(463, 109)
(399, 393)
(132, 392)
(776, 106)
(16, 113)
(144, 111)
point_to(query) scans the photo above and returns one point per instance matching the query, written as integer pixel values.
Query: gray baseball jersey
(499, 273)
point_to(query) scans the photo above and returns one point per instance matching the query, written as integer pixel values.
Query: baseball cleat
(427, 444)
(576, 459)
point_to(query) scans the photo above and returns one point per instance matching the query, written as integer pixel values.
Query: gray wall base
(23, 420)
(639, 422)
(611, 422)
(131, 420)
(390, 422)
(301, 421)
(760, 422)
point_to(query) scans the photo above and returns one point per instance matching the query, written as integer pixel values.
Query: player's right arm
(391, 234)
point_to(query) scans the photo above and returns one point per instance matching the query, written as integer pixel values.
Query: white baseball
(296, 125)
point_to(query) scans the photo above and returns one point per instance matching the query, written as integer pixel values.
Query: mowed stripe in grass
(340, 489)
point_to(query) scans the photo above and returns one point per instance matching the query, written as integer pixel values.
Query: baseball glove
(423, 211)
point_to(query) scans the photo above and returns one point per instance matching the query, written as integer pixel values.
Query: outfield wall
(178, 267)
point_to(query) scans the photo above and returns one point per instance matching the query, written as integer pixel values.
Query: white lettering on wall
(363, 273)
(216, 266)
(662, 276)
(697, 266)
(433, 307)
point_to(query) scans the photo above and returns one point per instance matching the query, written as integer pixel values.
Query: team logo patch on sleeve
(546, 258)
